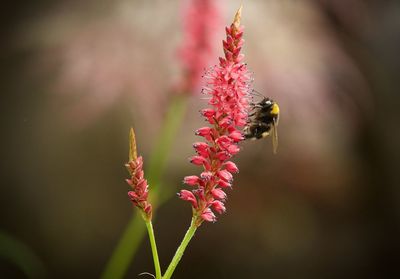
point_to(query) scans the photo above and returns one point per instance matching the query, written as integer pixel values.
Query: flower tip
(132, 145)
(238, 15)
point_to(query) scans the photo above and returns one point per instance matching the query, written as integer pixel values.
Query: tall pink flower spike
(139, 193)
(228, 85)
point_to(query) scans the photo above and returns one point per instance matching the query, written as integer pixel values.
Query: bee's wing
(274, 134)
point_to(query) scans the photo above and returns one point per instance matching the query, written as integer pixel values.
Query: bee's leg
(255, 105)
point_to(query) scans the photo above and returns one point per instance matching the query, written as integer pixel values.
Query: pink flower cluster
(228, 88)
(140, 191)
(200, 21)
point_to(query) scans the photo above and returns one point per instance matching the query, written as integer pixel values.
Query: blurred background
(75, 75)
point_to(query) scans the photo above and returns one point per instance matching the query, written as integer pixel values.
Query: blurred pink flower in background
(228, 88)
(97, 62)
(201, 20)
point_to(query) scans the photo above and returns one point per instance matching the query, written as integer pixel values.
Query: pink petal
(197, 160)
(218, 194)
(233, 149)
(203, 131)
(218, 206)
(224, 184)
(231, 167)
(225, 175)
(236, 136)
(208, 215)
(188, 196)
(191, 180)
(208, 112)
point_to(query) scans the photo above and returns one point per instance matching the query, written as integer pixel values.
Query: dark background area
(75, 75)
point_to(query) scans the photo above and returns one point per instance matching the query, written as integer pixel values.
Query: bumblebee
(263, 121)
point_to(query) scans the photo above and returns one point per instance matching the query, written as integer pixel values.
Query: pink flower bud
(139, 174)
(223, 140)
(225, 175)
(208, 112)
(141, 187)
(143, 197)
(218, 194)
(208, 215)
(229, 40)
(191, 180)
(200, 145)
(222, 155)
(236, 135)
(201, 148)
(200, 193)
(229, 57)
(203, 153)
(218, 206)
(188, 196)
(226, 122)
(148, 208)
(130, 183)
(132, 165)
(240, 122)
(132, 195)
(231, 167)
(205, 131)
(233, 149)
(224, 184)
(197, 160)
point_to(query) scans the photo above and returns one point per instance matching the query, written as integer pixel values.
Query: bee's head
(269, 105)
(266, 103)
(274, 109)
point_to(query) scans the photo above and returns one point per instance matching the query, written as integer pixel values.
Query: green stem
(126, 248)
(134, 232)
(179, 252)
(165, 141)
(150, 230)
(19, 256)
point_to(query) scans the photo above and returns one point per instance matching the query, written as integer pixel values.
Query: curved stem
(126, 248)
(135, 230)
(150, 230)
(164, 143)
(15, 252)
(179, 252)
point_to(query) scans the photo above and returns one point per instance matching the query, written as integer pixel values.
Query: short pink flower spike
(139, 193)
(228, 86)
